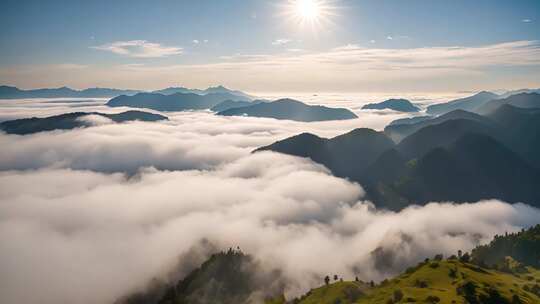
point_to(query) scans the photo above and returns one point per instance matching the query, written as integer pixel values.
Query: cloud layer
(71, 217)
(94, 237)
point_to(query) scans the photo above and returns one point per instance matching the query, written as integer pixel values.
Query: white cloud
(389, 38)
(281, 41)
(94, 237)
(349, 68)
(139, 49)
(526, 20)
(195, 41)
(189, 141)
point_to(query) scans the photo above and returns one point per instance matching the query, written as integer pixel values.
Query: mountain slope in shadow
(290, 109)
(174, 102)
(467, 104)
(400, 105)
(71, 121)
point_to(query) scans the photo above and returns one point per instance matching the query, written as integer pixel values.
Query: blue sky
(149, 44)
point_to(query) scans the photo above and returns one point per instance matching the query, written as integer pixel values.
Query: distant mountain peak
(395, 104)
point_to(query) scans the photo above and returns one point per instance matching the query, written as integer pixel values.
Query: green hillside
(449, 281)
(501, 272)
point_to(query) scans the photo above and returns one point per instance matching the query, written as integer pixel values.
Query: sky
(272, 45)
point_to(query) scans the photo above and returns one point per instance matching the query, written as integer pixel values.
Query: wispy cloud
(139, 49)
(281, 41)
(352, 67)
(526, 20)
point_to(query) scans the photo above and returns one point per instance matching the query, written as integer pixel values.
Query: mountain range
(290, 109)
(173, 102)
(10, 92)
(459, 157)
(210, 90)
(7, 92)
(71, 121)
(467, 104)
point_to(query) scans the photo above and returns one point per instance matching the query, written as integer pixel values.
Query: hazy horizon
(267, 46)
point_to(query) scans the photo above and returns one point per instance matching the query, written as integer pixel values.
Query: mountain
(410, 120)
(7, 92)
(464, 278)
(515, 92)
(523, 100)
(230, 277)
(473, 168)
(453, 281)
(441, 135)
(233, 104)
(400, 105)
(468, 104)
(501, 272)
(291, 110)
(222, 89)
(71, 121)
(175, 90)
(460, 157)
(520, 127)
(402, 128)
(347, 155)
(174, 102)
(211, 90)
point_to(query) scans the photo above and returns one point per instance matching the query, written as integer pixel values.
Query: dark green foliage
(523, 246)
(433, 299)
(398, 295)
(466, 258)
(516, 300)
(453, 273)
(420, 284)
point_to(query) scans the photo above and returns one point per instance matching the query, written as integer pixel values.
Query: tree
(356, 279)
(326, 280)
(459, 253)
(465, 258)
(372, 284)
(398, 295)
(335, 277)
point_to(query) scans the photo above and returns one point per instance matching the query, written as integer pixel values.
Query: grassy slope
(439, 284)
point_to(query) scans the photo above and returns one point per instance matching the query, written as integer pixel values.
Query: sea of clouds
(90, 215)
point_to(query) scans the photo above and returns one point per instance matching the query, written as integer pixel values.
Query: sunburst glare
(310, 13)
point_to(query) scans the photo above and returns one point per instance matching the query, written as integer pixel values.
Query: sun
(310, 13)
(308, 10)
